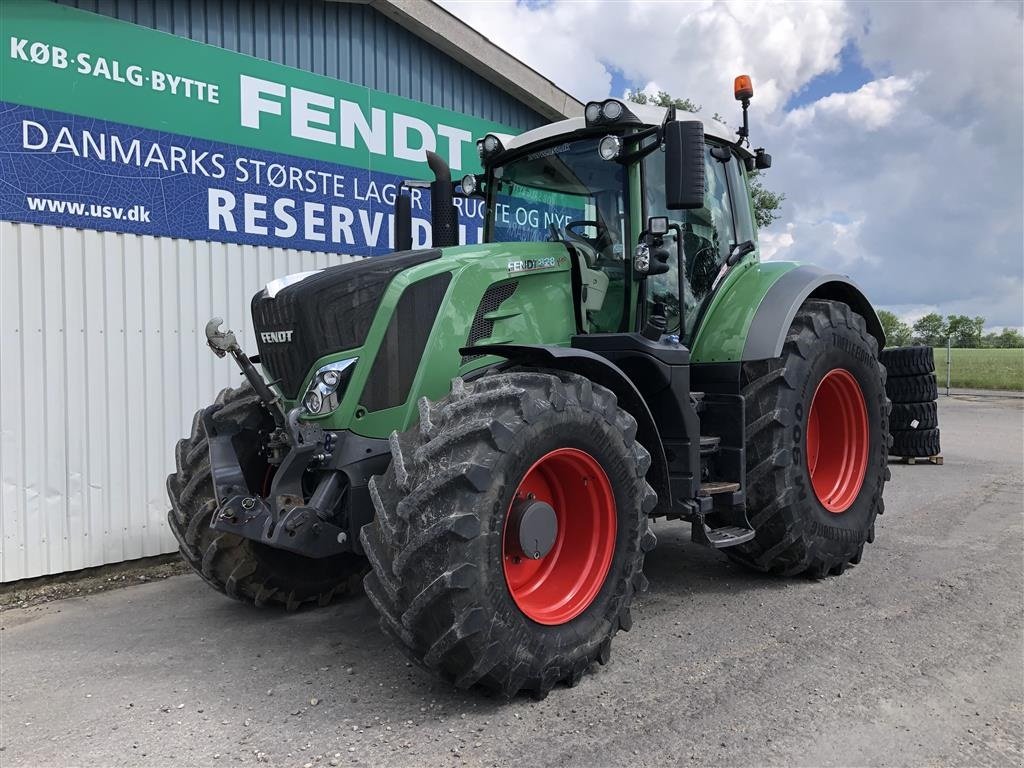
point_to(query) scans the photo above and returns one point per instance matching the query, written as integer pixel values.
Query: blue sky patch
(619, 81)
(850, 76)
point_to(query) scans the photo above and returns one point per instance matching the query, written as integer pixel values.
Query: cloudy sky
(896, 128)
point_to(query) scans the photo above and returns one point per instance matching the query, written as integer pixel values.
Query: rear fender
(775, 313)
(600, 371)
(751, 311)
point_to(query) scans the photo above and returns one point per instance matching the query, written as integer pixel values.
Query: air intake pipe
(443, 218)
(403, 221)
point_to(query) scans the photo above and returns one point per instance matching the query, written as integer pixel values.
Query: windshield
(567, 192)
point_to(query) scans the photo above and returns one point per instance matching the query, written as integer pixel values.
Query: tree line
(962, 332)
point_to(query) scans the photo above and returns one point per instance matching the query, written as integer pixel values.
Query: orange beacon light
(743, 89)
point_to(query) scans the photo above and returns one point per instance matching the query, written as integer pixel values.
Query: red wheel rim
(560, 585)
(837, 440)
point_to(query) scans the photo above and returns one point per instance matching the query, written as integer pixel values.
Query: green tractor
(481, 435)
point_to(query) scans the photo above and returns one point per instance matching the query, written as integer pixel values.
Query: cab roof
(647, 114)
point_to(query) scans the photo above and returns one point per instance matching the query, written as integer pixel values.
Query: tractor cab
(622, 184)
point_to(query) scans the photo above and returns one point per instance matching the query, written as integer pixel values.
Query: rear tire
(801, 527)
(238, 567)
(439, 542)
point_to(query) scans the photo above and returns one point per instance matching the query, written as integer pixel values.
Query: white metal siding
(103, 361)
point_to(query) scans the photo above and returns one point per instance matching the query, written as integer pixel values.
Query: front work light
(609, 147)
(608, 112)
(469, 184)
(489, 146)
(612, 110)
(327, 386)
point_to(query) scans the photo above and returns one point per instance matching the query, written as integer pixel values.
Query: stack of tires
(911, 385)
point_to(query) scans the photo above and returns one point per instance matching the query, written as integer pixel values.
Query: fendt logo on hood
(276, 337)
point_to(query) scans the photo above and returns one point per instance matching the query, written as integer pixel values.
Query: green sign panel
(246, 150)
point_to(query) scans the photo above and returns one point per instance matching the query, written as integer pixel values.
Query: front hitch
(283, 519)
(224, 343)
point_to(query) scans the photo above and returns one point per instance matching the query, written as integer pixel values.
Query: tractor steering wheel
(593, 246)
(593, 242)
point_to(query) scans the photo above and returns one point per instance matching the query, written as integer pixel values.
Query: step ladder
(704, 534)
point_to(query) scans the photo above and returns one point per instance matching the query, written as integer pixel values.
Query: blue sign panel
(73, 171)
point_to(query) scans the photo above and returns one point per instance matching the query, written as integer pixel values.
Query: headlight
(314, 402)
(609, 147)
(327, 386)
(592, 112)
(468, 184)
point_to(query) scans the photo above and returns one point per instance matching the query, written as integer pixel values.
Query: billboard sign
(110, 126)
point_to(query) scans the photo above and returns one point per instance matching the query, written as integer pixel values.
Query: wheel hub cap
(837, 440)
(534, 526)
(559, 536)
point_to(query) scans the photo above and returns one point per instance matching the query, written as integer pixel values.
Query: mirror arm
(638, 154)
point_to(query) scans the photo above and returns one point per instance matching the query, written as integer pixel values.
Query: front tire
(447, 578)
(817, 445)
(240, 568)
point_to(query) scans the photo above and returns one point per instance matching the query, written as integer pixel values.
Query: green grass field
(982, 368)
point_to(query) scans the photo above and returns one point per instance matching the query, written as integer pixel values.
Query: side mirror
(684, 165)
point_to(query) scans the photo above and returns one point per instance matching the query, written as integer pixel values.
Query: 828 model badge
(531, 265)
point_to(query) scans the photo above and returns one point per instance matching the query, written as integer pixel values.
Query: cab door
(709, 235)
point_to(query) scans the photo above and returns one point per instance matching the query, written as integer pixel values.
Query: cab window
(708, 235)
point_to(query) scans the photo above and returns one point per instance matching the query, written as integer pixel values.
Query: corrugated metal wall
(102, 364)
(347, 41)
(102, 352)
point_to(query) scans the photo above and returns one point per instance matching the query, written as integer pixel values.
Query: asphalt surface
(914, 657)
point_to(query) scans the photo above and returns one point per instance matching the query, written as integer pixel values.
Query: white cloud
(911, 183)
(688, 48)
(775, 242)
(874, 105)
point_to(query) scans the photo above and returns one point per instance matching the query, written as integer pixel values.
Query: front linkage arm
(224, 343)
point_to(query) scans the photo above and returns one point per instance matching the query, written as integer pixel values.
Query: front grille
(400, 353)
(330, 311)
(482, 327)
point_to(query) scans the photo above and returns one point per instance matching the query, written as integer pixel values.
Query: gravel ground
(913, 657)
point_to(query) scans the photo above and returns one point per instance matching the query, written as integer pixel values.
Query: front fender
(604, 372)
(750, 316)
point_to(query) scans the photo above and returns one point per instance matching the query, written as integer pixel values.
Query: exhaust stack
(444, 220)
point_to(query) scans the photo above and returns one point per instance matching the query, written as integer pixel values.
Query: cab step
(719, 538)
(709, 444)
(716, 487)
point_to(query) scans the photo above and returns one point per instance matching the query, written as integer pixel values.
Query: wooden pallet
(937, 460)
